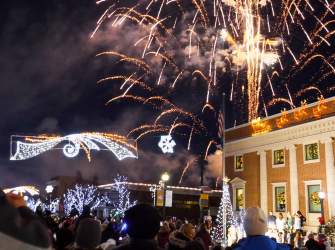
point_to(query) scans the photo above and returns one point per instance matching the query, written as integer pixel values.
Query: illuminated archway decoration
(31, 146)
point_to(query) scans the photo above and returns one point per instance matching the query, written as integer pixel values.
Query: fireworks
(264, 46)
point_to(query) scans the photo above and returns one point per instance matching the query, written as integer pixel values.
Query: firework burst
(257, 51)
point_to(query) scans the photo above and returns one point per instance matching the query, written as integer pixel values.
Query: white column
(330, 175)
(263, 181)
(293, 179)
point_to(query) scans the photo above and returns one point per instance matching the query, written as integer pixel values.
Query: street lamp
(164, 178)
(322, 196)
(49, 189)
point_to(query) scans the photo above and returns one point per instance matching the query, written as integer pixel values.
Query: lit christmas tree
(225, 217)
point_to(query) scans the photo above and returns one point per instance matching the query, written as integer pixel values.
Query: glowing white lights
(32, 146)
(167, 144)
(31, 190)
(49, 189)
(225, 217)
(123, 201)
(80, 196)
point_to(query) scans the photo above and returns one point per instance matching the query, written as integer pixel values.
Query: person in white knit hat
(255, 226)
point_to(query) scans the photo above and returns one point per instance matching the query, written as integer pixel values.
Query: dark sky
(48, 85)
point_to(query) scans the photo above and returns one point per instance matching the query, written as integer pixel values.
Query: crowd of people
(141, 228)
(290, 230)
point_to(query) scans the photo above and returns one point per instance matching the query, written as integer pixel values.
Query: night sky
(48, 85)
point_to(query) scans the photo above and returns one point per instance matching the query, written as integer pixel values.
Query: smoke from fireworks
(265, 46)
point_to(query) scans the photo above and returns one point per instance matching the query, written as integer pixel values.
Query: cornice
(320, 130)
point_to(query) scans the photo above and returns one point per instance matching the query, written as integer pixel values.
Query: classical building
(282, 162)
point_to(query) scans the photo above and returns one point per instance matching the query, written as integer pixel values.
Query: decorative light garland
(167, 144)
(31, 146)
(158, 186)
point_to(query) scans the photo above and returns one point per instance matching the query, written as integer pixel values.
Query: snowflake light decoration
(31, 146)
(167, 144)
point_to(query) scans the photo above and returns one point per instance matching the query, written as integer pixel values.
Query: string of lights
(30, 146)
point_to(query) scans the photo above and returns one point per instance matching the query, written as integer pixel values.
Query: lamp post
(322, 196)
(164, 178)
(49, 189)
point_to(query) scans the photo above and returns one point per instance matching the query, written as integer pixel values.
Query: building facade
(282, 162)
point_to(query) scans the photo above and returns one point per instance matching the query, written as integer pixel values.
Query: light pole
(49, 189)
(164, 178)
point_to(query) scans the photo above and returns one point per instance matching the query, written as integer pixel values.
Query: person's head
(208, 222)
(270, 213)
(311, 236)
(19, 227)
(299, 213)
(281, 216)
(88, 234)
(188, 230)
(255, 222)
(86, 210)
(143, 221)
(322, 238)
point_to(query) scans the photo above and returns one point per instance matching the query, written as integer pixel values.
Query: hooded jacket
(260, 242)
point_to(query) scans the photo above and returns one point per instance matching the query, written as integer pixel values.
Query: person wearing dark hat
(142, 223)
(88, 235)
(255, 226)
(19, 228)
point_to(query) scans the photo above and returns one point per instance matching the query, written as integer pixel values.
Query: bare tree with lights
(123, 201)
(81, 196)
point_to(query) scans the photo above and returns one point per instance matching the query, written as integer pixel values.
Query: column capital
(261, 152)
(327, 140)
(291, 147)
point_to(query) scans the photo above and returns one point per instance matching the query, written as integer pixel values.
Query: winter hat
(188, 230)
(255, 222)
(88, 233)
(143, 221)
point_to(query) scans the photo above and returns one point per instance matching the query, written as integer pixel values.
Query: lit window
(311, 152)
(239, 199)
(239, 163)
(280, 199)
(278, 157)
(314, 204)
